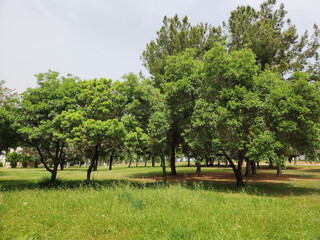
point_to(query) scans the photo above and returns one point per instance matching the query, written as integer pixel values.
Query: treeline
(247, 90)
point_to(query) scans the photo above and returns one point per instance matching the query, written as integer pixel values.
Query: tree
(95, 125)
(142, 100)
(274, 39)
(40, 125)
(13, 158)
(138, 142)
(181, 79)
(256, 116)
(292, 114)
(226, 106)
(9, 137)
(159, 125)
(174, 37)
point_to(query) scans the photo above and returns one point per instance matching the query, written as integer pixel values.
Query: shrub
(24, 164)
(36, 164)
(1, 164)
(25, 160)
(13, 158)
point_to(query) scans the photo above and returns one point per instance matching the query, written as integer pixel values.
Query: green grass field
(126, 204)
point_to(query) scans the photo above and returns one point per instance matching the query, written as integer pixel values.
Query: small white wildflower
(25, 203)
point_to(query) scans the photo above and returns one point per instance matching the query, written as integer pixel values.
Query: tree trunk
(248, 167)
(198, 165)
(279, 171)
(137, 162)
(253, 167)
(164, 172)
(240, 183)
(173, 159)
(79, 164)
(129, 163)
(295, 159)
(188, 161)
(145, 161)
(218, 162)
(153, 161)
(270, 163)
(53, 176)
(89, 172)
(258, 165)
(237, 171)
(61, 166)
(111, 160)
(95, 167)
(93, 162)
(54, 173)
(207, 162)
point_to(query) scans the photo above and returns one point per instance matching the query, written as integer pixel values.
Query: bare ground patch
(226, 177)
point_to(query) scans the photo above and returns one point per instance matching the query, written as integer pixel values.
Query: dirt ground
(228, 176)
(220, 177)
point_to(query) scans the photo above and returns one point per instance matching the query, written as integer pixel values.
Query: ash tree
(39, 122)
(94, 126)
(158, 128)
(181, 82)
(256, 115)
(226, 104)
(173, 38)
(291, 114)
(142, 100)
(9, 137)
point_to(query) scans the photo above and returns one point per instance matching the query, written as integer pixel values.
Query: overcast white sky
(102, 38)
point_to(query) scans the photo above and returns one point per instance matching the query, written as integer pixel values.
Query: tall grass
(116, 208)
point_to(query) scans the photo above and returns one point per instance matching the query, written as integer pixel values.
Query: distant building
(3, 158)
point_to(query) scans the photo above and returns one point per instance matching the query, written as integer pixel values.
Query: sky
(103, 38)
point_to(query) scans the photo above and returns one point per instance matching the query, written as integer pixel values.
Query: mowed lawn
(132, 203)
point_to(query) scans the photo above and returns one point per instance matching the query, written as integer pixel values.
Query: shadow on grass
(257, 189)
(315, 170)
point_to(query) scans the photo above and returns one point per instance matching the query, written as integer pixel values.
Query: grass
(118, 206)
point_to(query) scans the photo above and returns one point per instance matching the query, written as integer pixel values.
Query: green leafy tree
(274, 39)
(9, 137)
(159, 125)
(181, 82)
(13, 158)
(142, 100)
(292, 114)
(94, 126)
(174, 37)
(40, 125)
(138, 142)
(253, 117)
(226, 108)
